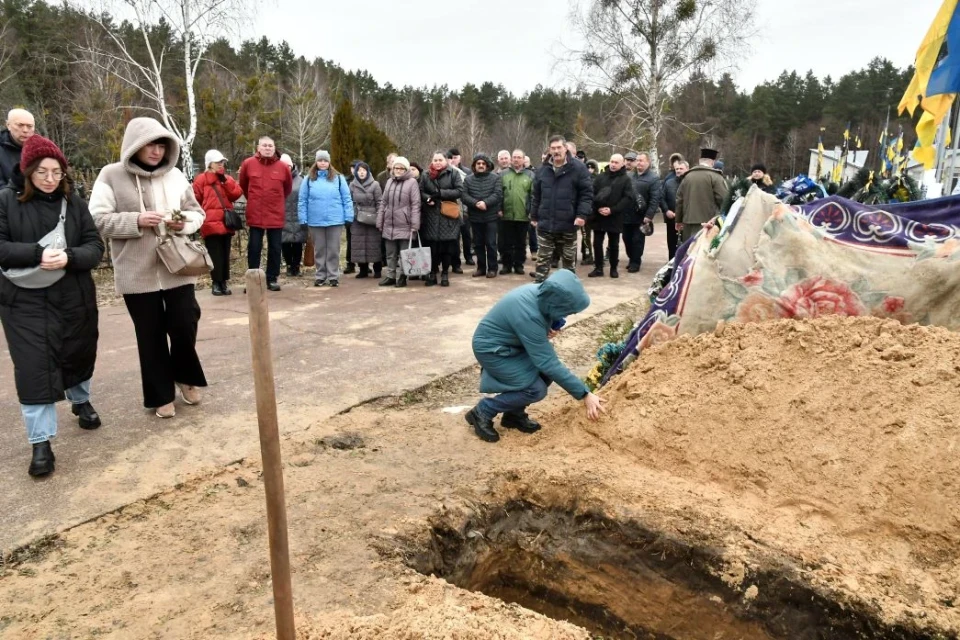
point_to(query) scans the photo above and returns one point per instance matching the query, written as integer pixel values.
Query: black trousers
(466, 240)
(292, 255)
(534, 246)
(514, 242)
(166, 326)
(635, 242)
(673, 238)
(255, 248)
(485, 244)
(347, 227)
(442, 253)
(613, 248)
(219, 249)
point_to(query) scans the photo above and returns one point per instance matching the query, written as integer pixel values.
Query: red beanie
(37, 148)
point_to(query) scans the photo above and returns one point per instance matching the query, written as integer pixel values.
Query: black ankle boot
(89, 418)
(43, 459)
(217, 289)
(519, 421)
(482, 427)
(431, 280)
(444, 279)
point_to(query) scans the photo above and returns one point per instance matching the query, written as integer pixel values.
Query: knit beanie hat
(758, 167)
(286, 159)
(403, 162)
(37, 148)
(323, 154)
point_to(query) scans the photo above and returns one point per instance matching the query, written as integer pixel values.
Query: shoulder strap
(217, 193)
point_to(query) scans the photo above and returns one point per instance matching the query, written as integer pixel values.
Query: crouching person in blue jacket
(512, 345)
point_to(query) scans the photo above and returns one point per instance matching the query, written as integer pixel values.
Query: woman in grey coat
(294, 235)
(398, 217)
(441, 183)
(364, 236)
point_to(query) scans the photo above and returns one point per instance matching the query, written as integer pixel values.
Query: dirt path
(839, 521)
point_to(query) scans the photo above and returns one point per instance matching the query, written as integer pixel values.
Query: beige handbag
(181, 256)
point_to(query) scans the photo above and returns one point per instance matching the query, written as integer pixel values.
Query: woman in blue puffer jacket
(325, 206)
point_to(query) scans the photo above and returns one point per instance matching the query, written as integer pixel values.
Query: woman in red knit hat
(48, 301)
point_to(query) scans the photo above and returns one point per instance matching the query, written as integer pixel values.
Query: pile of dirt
(837, 437)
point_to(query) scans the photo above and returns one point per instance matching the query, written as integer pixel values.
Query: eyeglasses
(43, 174)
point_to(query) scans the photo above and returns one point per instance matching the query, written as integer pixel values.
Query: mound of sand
(836, 429)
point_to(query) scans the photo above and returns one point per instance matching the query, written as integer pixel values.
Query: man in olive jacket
(562, 201)
(700, 195)
(517, 190)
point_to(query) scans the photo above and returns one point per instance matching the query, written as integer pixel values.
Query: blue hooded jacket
(511, 342)
(325, 203)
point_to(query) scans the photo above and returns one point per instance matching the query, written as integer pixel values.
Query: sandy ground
(822, 451)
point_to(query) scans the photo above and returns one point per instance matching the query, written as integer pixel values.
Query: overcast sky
(514, 42)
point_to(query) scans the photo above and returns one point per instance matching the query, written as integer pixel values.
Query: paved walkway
(332, 349)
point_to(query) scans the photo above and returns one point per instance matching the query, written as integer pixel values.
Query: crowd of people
(485, 216)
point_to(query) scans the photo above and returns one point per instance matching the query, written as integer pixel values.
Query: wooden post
(256, 283)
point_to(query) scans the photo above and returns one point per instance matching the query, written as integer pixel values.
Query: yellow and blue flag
(945, 77)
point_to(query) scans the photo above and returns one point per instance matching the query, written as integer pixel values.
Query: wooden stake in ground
(256, 283)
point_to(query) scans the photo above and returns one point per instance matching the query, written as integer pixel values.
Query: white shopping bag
(415, 261)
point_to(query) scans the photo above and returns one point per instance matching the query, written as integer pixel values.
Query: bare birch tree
(475, 134)
(641, 50)
(194, 25)
(308, 113)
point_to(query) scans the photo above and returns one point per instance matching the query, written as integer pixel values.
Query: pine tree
(344, 138)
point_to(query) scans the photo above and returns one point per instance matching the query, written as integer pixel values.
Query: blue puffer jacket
(511, 342)
(325, 203)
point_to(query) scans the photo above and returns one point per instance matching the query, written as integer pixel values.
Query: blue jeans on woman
(513, 402)
(41, 419)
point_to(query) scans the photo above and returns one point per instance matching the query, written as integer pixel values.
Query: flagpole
(948, 185)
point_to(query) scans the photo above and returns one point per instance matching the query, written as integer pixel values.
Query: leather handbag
(231, 219)
(181, 256)
(35, 277)
(450, 209)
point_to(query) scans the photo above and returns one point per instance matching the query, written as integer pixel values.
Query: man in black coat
(483, 197)
(20, 126)
(669, 204)
(646, 183)
(614, 198)
(562, 201)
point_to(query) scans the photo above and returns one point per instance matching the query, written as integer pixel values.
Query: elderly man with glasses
(20, 126)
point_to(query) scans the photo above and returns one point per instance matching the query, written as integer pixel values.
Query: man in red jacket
(266, 182)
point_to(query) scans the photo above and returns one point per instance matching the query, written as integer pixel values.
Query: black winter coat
(668, 198)
(486, 187)
(612, 189)
(51, 333)
(448, 186)
(647, 187)
(9, 157)
(560, 197)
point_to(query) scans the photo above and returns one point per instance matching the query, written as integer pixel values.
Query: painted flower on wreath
(759, 307)
(817, 296)
(657, 334)
(893, 307)
(948, 248)
(831, 217)
(752, 279)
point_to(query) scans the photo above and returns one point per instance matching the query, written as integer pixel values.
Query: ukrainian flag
(934, 64)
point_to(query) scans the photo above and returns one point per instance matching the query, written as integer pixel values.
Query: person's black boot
(225, 288)
(351, 268)
(431, 280)
(88, 416)
(519, 421)
(402, 281)
(43, 459)
(364, 271)
(388, 282)
(216, 289)
(518, 270)
(596, 273)
(273, 286)
(483, 428)
(505, 270)
(444, 279)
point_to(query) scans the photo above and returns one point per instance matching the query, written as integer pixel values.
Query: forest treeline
(53, 62)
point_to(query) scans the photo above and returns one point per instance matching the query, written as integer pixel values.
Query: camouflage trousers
(565, 244)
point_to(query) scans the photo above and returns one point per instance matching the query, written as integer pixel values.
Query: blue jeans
(513, 401)
(41, 419)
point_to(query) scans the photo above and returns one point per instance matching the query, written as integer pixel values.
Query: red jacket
(266, 182)
(203, 188)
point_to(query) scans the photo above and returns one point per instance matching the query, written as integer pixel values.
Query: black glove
(222, 177)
